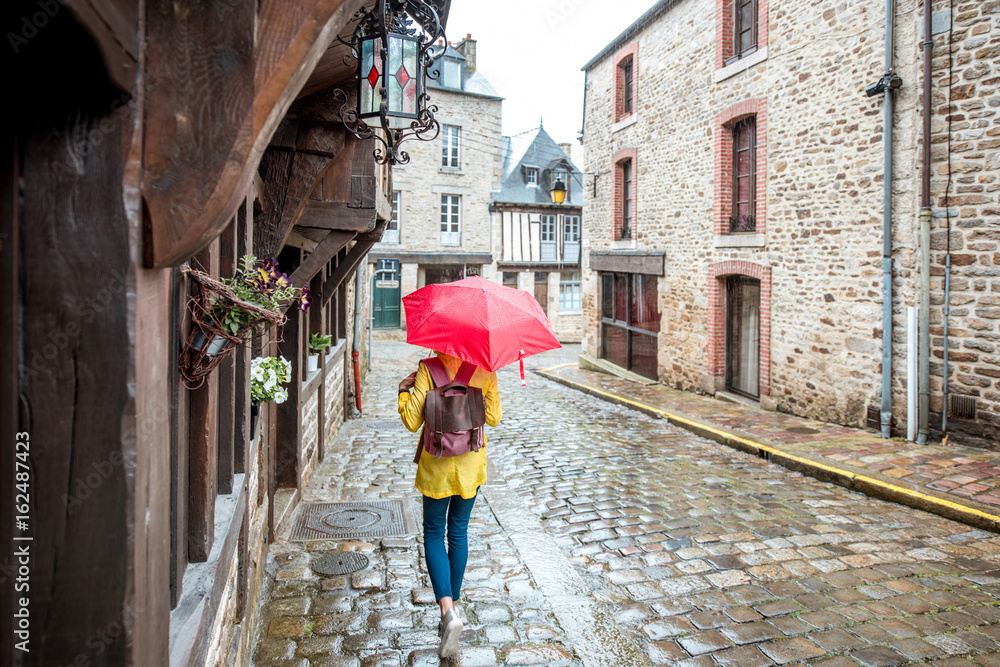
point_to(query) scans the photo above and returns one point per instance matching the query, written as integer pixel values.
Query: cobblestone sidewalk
(962, 475)
(605, 537)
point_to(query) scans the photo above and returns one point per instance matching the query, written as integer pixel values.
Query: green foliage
(319, 343)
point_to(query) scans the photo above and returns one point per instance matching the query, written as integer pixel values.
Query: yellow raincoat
(454, 475)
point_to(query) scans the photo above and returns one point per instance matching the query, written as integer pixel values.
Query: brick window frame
(723, 170)
(724, 27)
(717, 274)
(627, 52)
(618, 193)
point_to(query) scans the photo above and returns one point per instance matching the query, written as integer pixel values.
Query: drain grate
(341, 563)
(382, 425)
(349, 520)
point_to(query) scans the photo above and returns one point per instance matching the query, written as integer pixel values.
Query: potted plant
(267, 375)
(230, 311)
(317, 345)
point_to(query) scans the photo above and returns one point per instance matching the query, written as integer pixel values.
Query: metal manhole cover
(382, 425)
(802, 430)
(349, 520)
(340, 563)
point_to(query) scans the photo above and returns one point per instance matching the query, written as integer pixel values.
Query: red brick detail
(723, 167)
(717, 274)
(618, 192)
(724, 29)
(630, 51)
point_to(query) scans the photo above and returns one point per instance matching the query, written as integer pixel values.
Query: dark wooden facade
(150, 135)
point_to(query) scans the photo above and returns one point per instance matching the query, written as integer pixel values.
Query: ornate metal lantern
(394, 59)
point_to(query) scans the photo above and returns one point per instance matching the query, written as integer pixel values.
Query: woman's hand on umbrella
(408, 382)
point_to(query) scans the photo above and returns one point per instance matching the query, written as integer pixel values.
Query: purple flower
(305, 298)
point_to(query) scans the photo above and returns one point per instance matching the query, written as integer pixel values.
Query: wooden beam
(202, 470)
(297, 240)
(206, 125)
(337, 215)
(354, 257)
(322, 253)
(114, 27)
(9, 316)
(289, 413)
(226, 435)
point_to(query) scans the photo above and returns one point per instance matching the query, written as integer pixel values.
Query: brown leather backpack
(454, 412)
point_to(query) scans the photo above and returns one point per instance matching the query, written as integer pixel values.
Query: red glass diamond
(373, 77)
(402, 77)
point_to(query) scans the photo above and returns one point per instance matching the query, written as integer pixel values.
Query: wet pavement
(606, 537)
(965, 476)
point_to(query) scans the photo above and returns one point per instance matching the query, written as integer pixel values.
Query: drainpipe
(925, 240)
(356, 349)
(885, 412)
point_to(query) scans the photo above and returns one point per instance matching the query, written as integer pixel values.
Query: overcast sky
(532, 52)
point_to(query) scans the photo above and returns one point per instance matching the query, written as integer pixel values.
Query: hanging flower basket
(223, 316)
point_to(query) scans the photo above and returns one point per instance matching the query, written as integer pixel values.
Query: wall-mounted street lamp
(394, 60)
(558, 192)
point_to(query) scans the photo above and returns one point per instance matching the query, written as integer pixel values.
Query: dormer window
(452, 76)
(531, 177)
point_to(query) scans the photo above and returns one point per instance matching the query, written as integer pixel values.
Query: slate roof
(535, 149)
(473, 82)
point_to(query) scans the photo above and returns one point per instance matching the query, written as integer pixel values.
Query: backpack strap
(465, 373)
(439, 374)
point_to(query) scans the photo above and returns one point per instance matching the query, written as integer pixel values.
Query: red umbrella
(478, 321)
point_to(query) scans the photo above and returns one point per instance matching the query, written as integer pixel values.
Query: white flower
(281, 395)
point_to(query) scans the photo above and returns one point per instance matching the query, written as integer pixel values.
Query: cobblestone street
(606, 537)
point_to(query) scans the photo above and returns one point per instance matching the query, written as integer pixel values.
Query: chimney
(567, 148)
(467, 47)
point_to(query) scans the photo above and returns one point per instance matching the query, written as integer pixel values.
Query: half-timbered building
(146, 138)
(538, 241)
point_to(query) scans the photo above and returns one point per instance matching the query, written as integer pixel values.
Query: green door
(385, 295)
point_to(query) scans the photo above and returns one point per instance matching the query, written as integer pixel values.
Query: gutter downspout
(925, 240)
(356, 348)
(885, 412)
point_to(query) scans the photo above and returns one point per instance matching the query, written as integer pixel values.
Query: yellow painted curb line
(555, 368)
(933, 500)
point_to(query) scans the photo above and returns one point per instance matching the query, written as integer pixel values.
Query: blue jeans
(447, 568)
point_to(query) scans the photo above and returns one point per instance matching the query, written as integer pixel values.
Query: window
(571, 238)
(548, 238)
(570, 292)
(627, 84)
(449, 146)
(571, 229)
(744, 28)
(531, 177)
(626, 90)
(630, 321)
(626, 211)
(452, 73)
(392, 229)
(561, 176)
(740, 186)
(510, 279)
(451, 231)
(743, 216)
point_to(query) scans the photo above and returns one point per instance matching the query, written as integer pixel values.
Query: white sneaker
(451, 630)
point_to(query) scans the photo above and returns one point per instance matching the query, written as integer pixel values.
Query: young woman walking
(449, 486)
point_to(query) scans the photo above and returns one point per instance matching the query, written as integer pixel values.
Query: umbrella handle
(520, 361)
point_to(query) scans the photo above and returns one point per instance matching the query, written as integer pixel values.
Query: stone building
(736, 221)
(536, 241)
(440, 229)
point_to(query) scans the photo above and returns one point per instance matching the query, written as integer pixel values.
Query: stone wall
(423, 181)
(973, 207)
(823, 196)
